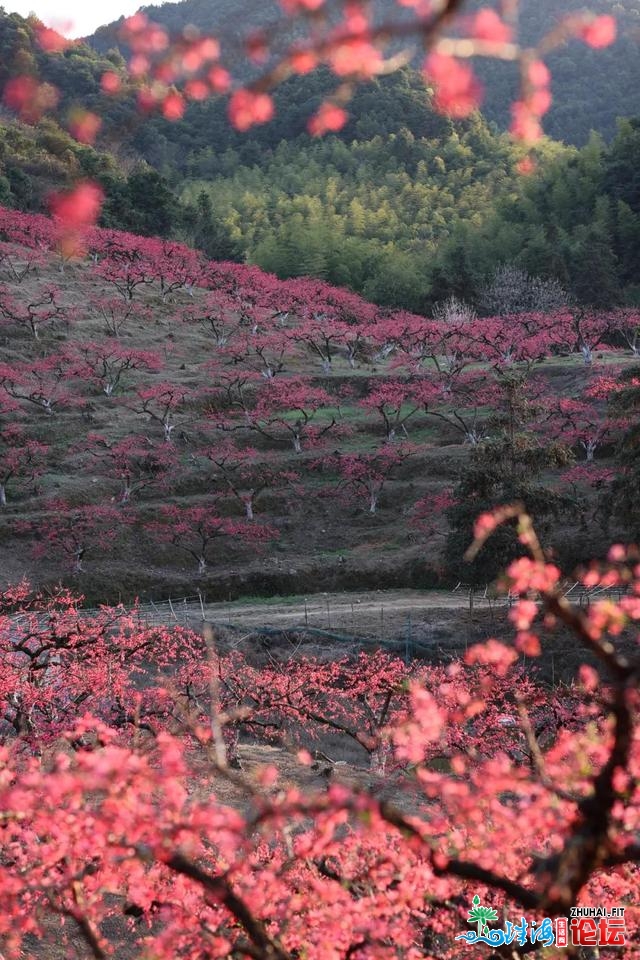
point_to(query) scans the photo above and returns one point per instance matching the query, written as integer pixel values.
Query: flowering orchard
(152, 388)
(135, 826)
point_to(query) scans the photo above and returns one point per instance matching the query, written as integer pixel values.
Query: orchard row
(145, 364)
(134, 823)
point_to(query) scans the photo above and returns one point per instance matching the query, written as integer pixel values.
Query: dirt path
(362, 614)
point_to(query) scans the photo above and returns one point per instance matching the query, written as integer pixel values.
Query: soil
(325, 540)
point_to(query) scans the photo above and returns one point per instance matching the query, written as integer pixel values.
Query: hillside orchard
(166, 419)
(157, 406)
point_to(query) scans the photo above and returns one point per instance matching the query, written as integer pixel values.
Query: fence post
(201, 606)
(407, 642)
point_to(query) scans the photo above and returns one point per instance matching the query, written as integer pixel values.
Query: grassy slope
(324, 542)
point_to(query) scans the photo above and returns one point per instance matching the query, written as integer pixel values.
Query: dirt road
(374, 613)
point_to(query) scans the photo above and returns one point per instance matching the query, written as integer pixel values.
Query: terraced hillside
(170, 423)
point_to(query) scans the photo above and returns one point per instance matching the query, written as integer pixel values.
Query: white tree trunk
(384, 352)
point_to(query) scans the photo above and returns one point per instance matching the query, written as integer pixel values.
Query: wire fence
(362, 619)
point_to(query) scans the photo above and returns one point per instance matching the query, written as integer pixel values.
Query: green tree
(595, 271)
(507, 468)
(208, 232)
(154, 208)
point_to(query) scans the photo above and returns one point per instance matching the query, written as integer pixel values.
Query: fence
(390, 620)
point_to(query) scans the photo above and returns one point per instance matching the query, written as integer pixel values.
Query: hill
(167, 421)
(408, 221)
(591, 88)
(446, 210)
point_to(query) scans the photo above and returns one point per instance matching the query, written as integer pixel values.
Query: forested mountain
(196, 146)
(402, 205)
(591, 88)
(370, 213)
(411, 221)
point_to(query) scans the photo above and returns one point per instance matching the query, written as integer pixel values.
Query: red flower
(458, 92)
(247, 108)
(76, 210)
(328, 118)
(599, 32)
(173, 106)
(219, 79)
(50, 40)
(539, 74)
(485, 524)
(80, 206)
(487, 25)
(196, 90)
(525, 124)
(84, 125)
(29, 98)
(110, 82)
(299, 6)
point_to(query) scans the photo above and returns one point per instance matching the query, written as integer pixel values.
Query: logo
(585, 927)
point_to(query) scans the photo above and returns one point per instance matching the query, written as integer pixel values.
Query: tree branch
(222, 891)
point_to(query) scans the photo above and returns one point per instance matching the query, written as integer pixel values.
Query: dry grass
(324, 544)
